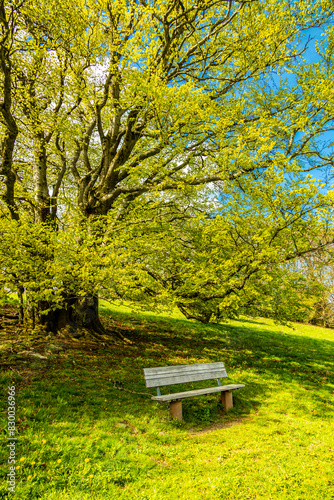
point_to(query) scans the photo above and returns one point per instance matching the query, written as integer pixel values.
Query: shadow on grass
(95, 384)
(259, 350)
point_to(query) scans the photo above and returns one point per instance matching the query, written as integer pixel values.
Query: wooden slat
(199, 392)
(168, 375)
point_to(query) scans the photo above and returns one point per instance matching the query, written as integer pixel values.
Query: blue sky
(311, 55)
(312, 37)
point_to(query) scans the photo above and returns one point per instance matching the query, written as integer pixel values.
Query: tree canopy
(157, 151)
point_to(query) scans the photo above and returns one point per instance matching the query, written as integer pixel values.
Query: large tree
(117, 114)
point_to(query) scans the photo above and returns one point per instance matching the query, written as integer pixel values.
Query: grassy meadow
(87, 428)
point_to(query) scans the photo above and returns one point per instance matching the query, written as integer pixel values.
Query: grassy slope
(82, 435)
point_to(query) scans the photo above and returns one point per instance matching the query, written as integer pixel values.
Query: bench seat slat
(198, 392)
(168, 375)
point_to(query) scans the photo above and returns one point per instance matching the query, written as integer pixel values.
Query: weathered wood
(198, 392)
(175, 408)
(169, 375)
(227, 400)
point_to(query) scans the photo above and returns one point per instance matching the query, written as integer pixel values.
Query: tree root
(95, 331)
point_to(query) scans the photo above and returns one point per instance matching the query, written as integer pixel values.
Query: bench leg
(176, 409)
(227, 400)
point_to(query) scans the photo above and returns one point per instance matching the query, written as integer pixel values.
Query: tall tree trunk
(20, 293)
(78, 315)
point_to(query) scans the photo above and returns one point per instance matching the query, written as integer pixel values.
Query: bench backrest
(169, 375)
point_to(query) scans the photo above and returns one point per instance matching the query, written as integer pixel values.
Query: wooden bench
(169, 375)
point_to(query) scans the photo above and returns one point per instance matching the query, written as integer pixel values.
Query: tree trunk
(20, 293)
(79, 315)
(85, 314)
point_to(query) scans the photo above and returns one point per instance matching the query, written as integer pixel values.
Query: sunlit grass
(83, 435)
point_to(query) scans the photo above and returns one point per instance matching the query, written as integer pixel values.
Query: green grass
(82, 435)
